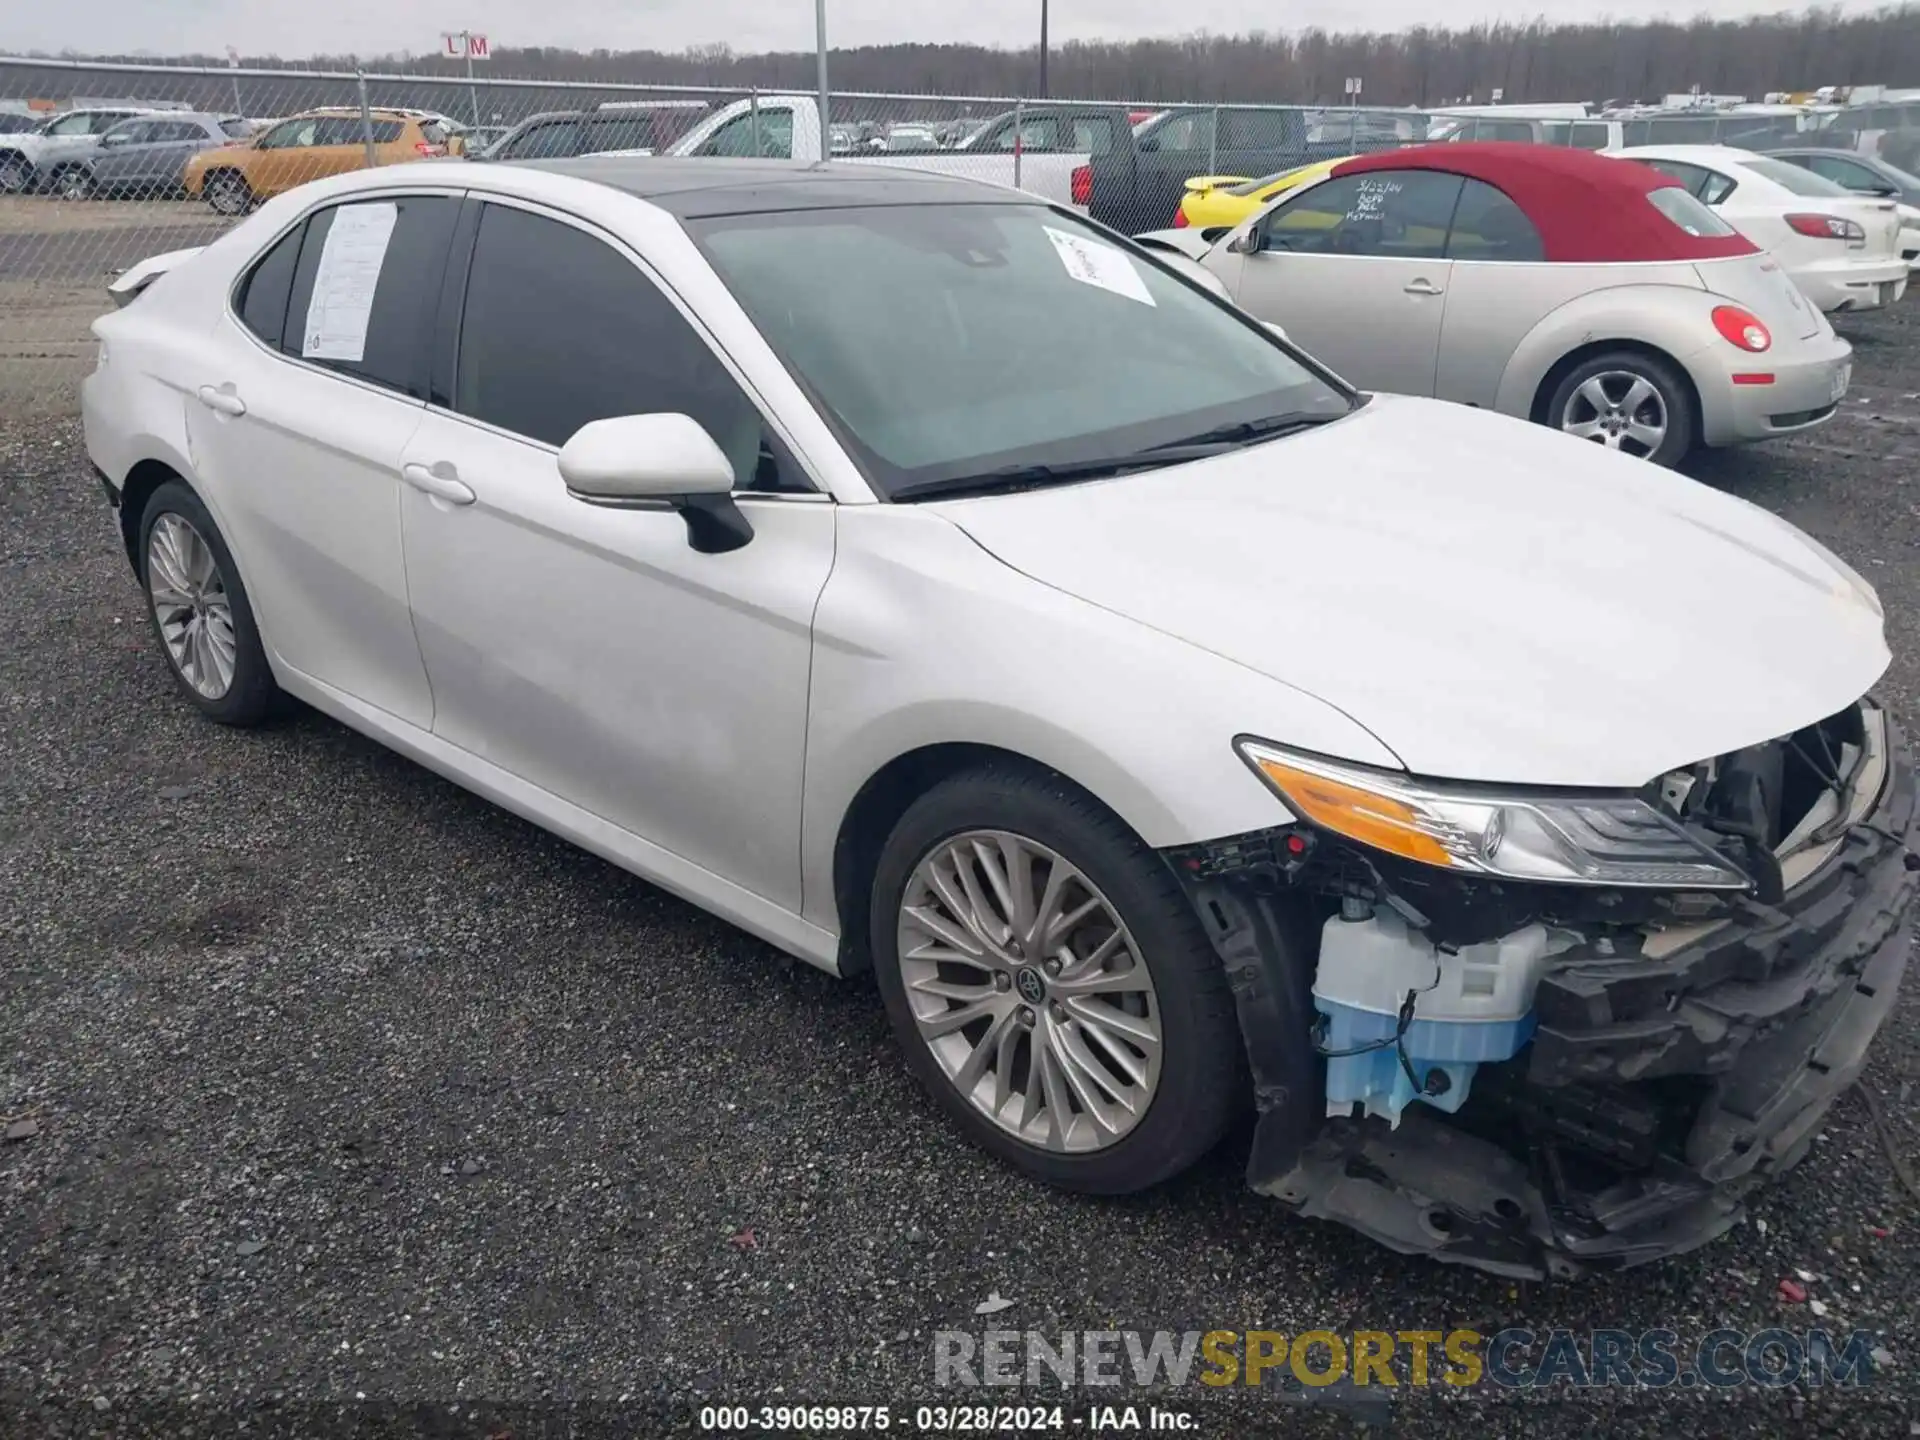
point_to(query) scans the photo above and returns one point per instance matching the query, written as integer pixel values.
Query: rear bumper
(1859, 284)
(1655, 1096)
(1800, 394)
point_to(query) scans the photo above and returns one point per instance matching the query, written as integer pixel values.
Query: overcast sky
(372, 27)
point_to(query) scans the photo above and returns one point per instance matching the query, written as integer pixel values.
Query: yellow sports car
(1215, 200)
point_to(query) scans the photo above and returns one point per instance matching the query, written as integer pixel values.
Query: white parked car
(1843, 250)
(932, 584)
(1056, 144)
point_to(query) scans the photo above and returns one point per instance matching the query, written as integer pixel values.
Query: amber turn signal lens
(1377, 820)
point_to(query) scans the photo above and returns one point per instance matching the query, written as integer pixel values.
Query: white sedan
(1843, 250)
(933, 585)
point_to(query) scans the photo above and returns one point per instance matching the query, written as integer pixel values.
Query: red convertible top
(1589, 209)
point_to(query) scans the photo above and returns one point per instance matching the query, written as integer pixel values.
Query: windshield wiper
(1245, 432)
(1216, 441)
(1010, 478)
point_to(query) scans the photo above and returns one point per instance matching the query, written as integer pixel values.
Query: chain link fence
(103, 164)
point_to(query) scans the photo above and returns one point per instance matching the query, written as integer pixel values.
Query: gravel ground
(363, 1107)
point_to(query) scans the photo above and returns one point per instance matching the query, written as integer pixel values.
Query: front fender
(922, 638)
(1673, 319)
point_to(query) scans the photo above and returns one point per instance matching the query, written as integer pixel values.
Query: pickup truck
(1045, 149)
(1137, 185)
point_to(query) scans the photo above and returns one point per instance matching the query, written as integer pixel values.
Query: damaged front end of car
(1543, 1033)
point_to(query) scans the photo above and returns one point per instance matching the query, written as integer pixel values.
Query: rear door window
(1591, 135)
(403, 243)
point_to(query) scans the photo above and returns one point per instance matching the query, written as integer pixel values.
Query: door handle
(438, 481)
(223, 401)
(1422, 286)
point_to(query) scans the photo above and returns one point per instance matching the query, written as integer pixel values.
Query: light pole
(1043, 49)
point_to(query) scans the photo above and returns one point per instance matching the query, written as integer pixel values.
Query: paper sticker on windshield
(1092, 263)
(343, 286)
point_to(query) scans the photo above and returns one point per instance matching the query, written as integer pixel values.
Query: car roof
(1699, 154)
(205, 117)
(1589, 209)
(694, 188)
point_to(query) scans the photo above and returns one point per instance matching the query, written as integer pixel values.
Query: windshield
(1792, 177)
(945, 342)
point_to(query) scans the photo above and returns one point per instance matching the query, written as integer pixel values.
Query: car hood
(1493, 600)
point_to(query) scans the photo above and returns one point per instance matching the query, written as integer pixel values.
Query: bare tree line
(1539, 60)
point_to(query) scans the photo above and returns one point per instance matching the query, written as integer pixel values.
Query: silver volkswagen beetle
(1556, 285)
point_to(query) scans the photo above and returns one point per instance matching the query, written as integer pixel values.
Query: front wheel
(15, 174)
(1051, 985)
(1628, 401)
(200, 610)
(228, 193)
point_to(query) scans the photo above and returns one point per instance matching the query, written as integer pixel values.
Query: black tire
(252, 696)
(73, 182)
(16, 175)
(1567, 405)
(1203, 1080)
(228, 193)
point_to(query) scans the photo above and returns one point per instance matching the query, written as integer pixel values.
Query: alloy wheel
(13, 175)
(227, 195)
(1619, 409)
(1028, 989)
(75, 184)
(190, 605)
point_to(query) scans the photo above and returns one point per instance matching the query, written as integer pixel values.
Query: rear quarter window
(262, 299)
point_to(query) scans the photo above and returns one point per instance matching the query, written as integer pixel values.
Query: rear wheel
(73, 183)
(228, 193)
(200, 611)
(1051, 985)
(1627, 401)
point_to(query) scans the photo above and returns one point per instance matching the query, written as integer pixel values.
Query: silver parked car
(39, 159)
(1544, 282)
(145, 156)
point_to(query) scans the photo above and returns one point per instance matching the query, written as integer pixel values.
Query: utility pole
(473, 90)
(1043, 50)
(820, 40)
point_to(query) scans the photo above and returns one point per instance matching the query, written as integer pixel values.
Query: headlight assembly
(1566, 839)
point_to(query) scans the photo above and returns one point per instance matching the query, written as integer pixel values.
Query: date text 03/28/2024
(943, 1419)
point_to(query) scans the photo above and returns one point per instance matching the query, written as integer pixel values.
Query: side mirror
(112, 142)
(658, 462)
(1245, 243)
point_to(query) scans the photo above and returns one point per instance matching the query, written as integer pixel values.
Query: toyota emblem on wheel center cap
(1032, 988)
